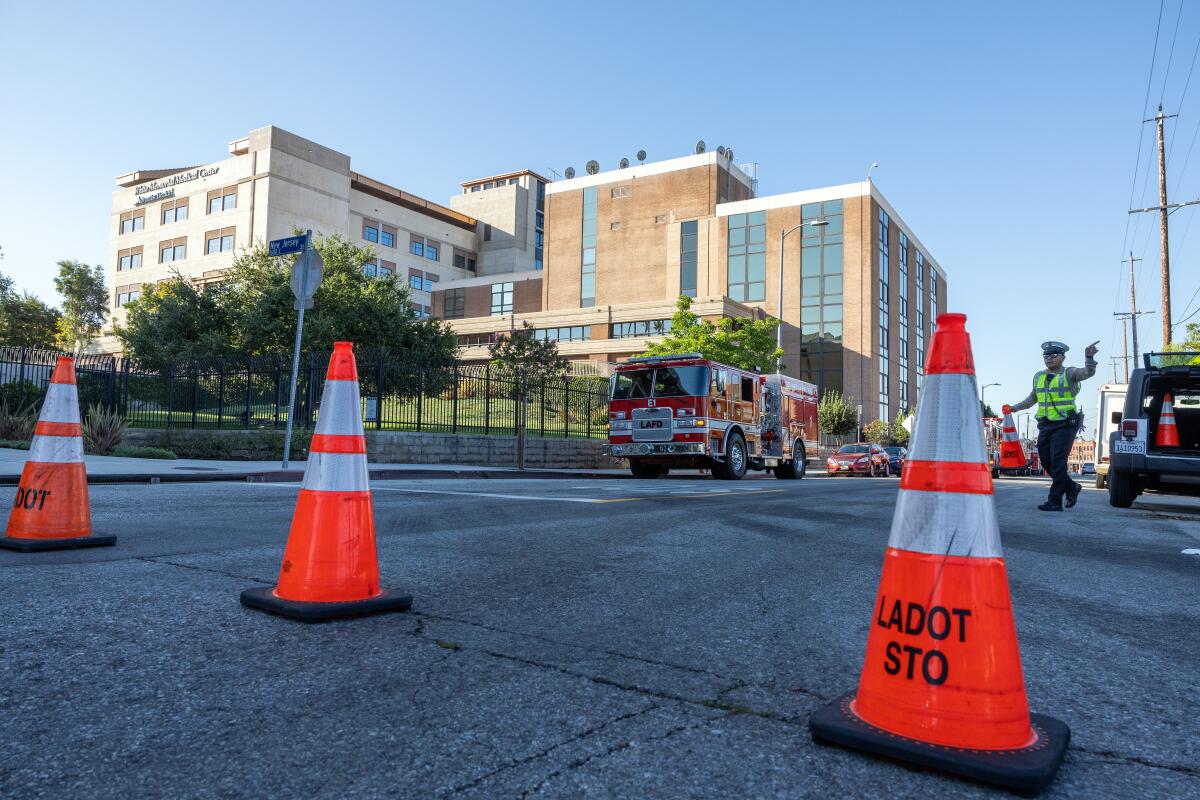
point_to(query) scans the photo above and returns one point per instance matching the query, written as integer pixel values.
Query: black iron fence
(399, 392)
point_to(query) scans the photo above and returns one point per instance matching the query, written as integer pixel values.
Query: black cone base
(1027, 769)
(41, 545)
(265, 600)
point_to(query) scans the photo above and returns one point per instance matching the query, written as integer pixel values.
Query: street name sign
(292, 244)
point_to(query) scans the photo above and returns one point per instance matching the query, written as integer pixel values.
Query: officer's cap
(1054, 348)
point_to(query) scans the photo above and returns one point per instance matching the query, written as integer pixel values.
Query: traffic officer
(1058, 419)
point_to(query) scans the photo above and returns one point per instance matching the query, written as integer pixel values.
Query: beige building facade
(194, 220)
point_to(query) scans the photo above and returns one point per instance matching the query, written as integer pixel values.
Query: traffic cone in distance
(330, 568)
(1012, 455)
(1167, 434)
(941, 683)
(51, 509)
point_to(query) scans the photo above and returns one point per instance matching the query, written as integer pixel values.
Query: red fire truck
(688, 411)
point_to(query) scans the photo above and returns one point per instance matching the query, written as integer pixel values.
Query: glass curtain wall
(884, 269)
(687, 258)
(903, 354)
(821, 297)
(748, 256)
(587, 283)
(920, 257)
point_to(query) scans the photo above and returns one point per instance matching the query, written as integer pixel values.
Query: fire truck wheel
(733, 468)
(641, 469)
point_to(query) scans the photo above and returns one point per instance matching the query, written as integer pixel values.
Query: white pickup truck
(1109, 406)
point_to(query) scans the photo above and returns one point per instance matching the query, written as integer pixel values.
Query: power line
(1171, 55)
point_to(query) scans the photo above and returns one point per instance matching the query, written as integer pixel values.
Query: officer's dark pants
(1054, 447)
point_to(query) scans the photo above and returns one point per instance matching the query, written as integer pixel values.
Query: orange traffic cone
(51, 508)
(1167, 434)
(1012, 456)
(329, 567)
(941, 683)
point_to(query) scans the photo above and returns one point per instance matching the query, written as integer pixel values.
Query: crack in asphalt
(580, 762)
(517, 762)
(160, 560)
(1120, 758)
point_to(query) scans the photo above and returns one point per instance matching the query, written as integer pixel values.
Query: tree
(25, 321)
(84, 303)
(835, 416)
(878, 432)
(985, 410)
(175, 320)
(521, 351)
(1190, 344)
(897, 434)
(745, 343)
(349, 305)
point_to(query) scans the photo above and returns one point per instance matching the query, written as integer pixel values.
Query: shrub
(12, 445)
(877, 432)
(23, 395)
(232, 446)
(103, 430)
(16, 424)
(128, 451)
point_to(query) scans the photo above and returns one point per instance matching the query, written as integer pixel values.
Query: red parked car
(861, 458)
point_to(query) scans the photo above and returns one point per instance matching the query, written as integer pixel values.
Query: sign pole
(287, 441)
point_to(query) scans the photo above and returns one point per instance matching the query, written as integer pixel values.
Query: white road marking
(1191, 551)
(474, 494)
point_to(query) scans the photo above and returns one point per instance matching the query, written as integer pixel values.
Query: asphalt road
(568, 639)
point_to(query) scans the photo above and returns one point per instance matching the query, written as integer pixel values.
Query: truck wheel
(641, 469)
(733, 468)
(1121, 489)
(791, 470)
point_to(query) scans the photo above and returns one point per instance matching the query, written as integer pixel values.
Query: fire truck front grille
(652, 425)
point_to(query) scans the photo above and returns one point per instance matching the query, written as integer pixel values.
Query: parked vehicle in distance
(681, 411)
(1108, 420)
(1089, 468)
(896, 458)
(1137, 460)
(860, 458)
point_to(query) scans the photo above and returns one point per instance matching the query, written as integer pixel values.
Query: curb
(286, 476)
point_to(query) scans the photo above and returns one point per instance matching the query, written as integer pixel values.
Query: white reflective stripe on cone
(341, 413)
(56, 449)
(1010, 437)
(948, 426)
(61, 404)
(946, 524)
(336, 472)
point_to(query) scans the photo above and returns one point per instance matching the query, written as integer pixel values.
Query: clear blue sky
(1006, 139)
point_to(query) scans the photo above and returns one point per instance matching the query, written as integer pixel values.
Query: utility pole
(1133, 306)
(1132, 317)
(1164, 209)
(1115, 360)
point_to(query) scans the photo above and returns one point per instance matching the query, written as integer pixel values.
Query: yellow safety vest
(1055, 399)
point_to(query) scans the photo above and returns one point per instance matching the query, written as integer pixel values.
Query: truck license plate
(1134, 447)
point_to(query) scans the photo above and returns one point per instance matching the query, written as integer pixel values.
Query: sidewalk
(109, 469)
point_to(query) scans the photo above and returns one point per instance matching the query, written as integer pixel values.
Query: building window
(539, 220)
(130, 258)
(645, 327)
(539, 227)
(387, 236)
(125, 294)
(454, 304)
(572, 333)
(884, 281)
(502, 299)
(174, 211)
(219, 241)
(370, 231)
(920, 258)
(371, 268)
(541, 195)
(687, 258)
(431, 250)
(620, 191)
(132, 221)
(820, 360)
(222, 199)
(387, 267)
(933, 300)
(416, 245)
(660, 219)
(747, 256)
(464, 259)
(172, 250)
(487, 232)
(476, 188)
(587, 276)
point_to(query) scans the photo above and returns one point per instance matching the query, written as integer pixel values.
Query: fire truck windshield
(662, 382)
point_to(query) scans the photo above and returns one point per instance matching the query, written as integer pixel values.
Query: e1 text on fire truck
(686, 411)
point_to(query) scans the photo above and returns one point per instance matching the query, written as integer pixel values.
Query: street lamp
(783, 233)
(1026, 416)
(982, 392)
